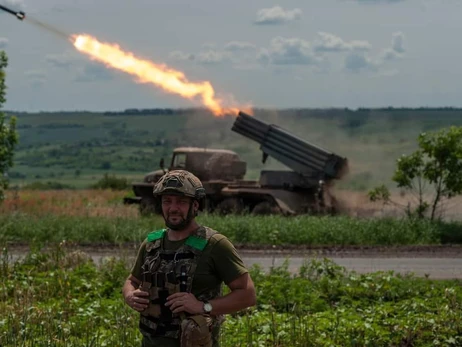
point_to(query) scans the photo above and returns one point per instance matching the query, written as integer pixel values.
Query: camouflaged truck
(216, 168)
(302, 189)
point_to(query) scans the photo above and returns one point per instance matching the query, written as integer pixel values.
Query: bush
(111, 182)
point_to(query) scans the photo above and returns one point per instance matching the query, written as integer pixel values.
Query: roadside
(407, 251)
(434, 262)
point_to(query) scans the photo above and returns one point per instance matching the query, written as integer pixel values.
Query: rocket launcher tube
(20, 15)
(299, 155)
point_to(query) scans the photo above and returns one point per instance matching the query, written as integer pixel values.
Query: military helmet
(179, 182)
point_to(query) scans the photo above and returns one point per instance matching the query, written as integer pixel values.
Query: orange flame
(148, 72)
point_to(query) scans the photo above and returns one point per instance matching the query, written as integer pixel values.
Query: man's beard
(184, 221)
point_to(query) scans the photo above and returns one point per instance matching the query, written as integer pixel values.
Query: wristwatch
(207, 307)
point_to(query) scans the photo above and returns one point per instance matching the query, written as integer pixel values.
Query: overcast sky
(310, 53)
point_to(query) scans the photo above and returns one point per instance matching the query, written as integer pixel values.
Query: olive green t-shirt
(219, 263)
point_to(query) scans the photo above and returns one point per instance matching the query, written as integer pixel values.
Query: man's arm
(131, 284)
(242, 295)
(231, 268)
(134, 297)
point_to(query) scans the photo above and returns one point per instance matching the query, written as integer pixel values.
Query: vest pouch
(196, 331)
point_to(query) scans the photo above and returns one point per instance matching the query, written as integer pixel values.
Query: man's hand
(184, 302)
(137, 300)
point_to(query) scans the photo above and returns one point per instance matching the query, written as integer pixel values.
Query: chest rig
(165, 272)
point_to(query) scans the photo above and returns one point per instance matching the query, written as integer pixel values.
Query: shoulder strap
(154, 239)
(155, 235)
(199, 239)
(196, 242)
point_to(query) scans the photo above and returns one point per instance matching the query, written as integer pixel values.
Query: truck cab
(214, 167)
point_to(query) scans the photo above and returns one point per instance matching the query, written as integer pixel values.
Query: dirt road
(436, 262)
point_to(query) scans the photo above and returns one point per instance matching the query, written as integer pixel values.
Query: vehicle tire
(266, 208)
(147, 207)
(230, 206)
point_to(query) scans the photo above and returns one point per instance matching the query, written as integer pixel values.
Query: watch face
(207, 307)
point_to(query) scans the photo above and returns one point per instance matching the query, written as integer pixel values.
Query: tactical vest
(165, 272)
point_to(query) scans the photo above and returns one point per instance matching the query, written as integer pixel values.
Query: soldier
(176, 281)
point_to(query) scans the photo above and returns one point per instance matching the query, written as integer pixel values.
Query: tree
(8, 135)
(436, 165)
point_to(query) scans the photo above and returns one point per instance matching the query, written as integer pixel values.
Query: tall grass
(84, 203)
(98, 216)
(243, 230)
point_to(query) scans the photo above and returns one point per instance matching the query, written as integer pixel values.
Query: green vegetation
(58, 297)
(78, 148)
(62, 298)
(264, 230)
(8, 135)
(435, 166)
(112, 182)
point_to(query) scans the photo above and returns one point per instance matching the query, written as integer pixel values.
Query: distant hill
(78, 147)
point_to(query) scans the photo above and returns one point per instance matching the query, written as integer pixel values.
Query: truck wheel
(266, 208)
(230, 206)
(147, 207)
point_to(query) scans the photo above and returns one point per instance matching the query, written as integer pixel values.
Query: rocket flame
(148, 72)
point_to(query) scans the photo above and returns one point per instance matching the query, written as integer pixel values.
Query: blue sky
(311, 53)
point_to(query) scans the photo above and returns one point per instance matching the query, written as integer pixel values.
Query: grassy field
(98, 216)
(61, 298)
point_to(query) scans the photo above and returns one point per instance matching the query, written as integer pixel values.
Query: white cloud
(180, 55)
(328, 42)
(284, 52)
(388, 54)
(277, 15)
(357, 62)
(240, 54)
(289, 51)
(211, 57)
(207, 57)
(3, 42)
(211, 54)
(239, 46)
(396, 50)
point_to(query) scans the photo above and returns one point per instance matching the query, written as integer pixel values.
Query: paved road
(439, 264)
(435, 268)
